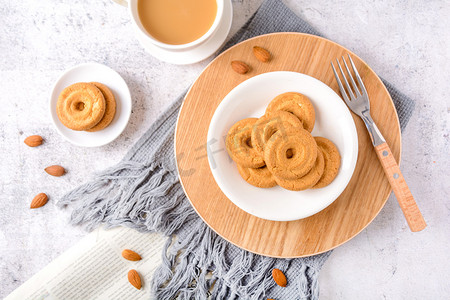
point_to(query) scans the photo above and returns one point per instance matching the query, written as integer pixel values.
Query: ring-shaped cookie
(332, 161)
(269, 124)
(80, 106)
(110, 109)
(307, 181)
(297, 104)
(290, 154)
(259, 177)
(239, 145)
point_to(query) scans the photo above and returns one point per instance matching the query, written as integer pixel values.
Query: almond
(39, 200)
(279, 277)
(131, 255)
(55, 170)
(33, 140)
(240, 67)
(261, 54)
(134, 279)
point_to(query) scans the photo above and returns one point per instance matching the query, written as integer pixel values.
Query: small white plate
(250, 99)
(199, 53)
(86, 73)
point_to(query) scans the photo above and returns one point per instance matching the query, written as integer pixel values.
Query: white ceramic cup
(140, 30)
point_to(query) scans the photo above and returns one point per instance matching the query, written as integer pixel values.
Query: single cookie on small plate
(239, 145)
(297, 104)
(290, 154)
(269, 124)
(80, 106)
(110, 110)
(307, 181)
(332, 161)
(259, 177)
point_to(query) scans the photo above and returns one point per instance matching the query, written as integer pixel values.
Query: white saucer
(250, 99)
(86, 73)
(196, 54)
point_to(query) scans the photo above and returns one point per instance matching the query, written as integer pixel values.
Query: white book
(95, 269)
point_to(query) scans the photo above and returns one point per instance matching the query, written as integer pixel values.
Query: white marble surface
(406, 43)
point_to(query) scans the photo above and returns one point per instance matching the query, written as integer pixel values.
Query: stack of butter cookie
(86, 106)
(278, 148)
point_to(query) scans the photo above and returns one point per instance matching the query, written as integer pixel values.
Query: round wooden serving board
(357, 206)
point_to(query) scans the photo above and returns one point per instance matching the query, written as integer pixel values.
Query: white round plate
(250, 99)
(199, 53)
(86, 73)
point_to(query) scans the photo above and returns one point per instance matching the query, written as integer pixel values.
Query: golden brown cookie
(110, 110)
(267, 125)
(307, 181)
(80, 106)
(297, 104)
(290, 154)
(332, 161)
(259, 177)
(239, 145)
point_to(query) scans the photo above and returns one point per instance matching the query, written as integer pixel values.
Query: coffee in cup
(177, 22)
(175, 25)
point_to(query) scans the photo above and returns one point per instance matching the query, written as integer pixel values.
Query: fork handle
(401, 190)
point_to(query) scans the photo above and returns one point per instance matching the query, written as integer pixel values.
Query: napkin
(143, 192)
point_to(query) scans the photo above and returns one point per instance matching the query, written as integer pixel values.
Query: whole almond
(279, 277)
(134, 279)
(55, 170)
(33, 140)
(39, 200)
(261, 54)
(131, 255)
(240, 67)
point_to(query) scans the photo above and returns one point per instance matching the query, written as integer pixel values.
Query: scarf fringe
(200, 265)
(131, 194)
(195, 268)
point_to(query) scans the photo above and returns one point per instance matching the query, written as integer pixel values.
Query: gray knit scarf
(143, 192)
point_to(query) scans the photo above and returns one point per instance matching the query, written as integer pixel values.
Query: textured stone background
(406, 43)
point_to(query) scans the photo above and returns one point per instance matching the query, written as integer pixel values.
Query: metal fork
(357, 100)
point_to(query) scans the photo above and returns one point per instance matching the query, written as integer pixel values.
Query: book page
(95, 269)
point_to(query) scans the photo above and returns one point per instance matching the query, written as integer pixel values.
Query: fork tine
(341, 87)
(349, 90)
(360, 82)
(355, 87)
